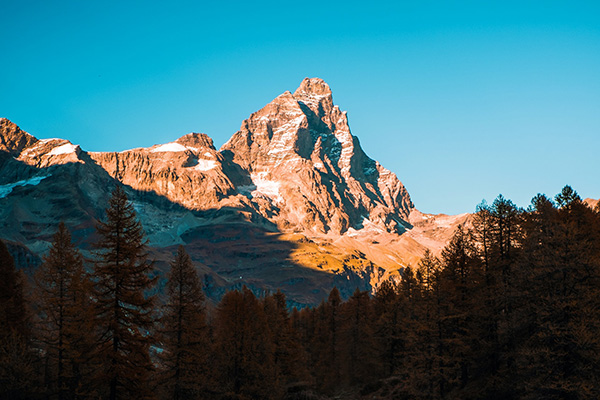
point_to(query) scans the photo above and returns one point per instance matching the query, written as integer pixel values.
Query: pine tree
(124, 310)
(66, 326)
(184, 333)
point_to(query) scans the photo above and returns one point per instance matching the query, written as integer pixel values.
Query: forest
(510, 309)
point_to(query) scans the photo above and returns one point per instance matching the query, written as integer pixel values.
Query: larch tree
(289, 357)
(460, 279)
(244, 347)
(18, 365)
(124, 309)
(13, 307)
(184, 333)
(424, 376)
(388, 329)
(66, 325)
(560, 358)
(358, 343)
(326, 343)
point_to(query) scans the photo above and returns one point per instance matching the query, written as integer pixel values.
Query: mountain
(592, 203)
(291, 201)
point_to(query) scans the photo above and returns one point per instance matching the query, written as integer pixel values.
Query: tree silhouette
(184, 333)
(63, 297)
(244, 347)
(123, 307)
(18, 365)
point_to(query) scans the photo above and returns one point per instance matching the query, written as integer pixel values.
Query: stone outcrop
(12, 139)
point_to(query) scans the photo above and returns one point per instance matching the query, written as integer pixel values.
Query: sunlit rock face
(301, 159)
(188, 171)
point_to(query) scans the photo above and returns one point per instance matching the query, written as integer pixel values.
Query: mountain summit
(300, 156)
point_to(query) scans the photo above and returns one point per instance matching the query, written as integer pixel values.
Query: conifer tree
(244, 347)
(184, 333)
(124, 310)
(13, 308)
(327, 343)
(562, 249)
(289, 357)
(498, 234)
(485, 232)
(388, 329)
(424, 374)
(66, 326)
(18, 365)
(460, 280)
(358, 344)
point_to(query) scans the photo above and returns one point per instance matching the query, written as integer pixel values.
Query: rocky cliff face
(299, 155)
(188, 172)
(12, 139)
(294, 162)
(290, 201)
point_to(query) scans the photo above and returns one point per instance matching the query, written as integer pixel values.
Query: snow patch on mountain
(262, 187)
(169, 148)
(6, 189)
(205, 165)
(64, 149)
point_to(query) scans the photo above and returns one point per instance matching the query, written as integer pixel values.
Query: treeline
(510, 310)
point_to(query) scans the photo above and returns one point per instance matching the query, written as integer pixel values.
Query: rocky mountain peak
(312, 87)
(196, 140)
(12, 139)
(300, 158)
(315, 94)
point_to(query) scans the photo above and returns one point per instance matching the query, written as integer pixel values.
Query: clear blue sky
(463, 100)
